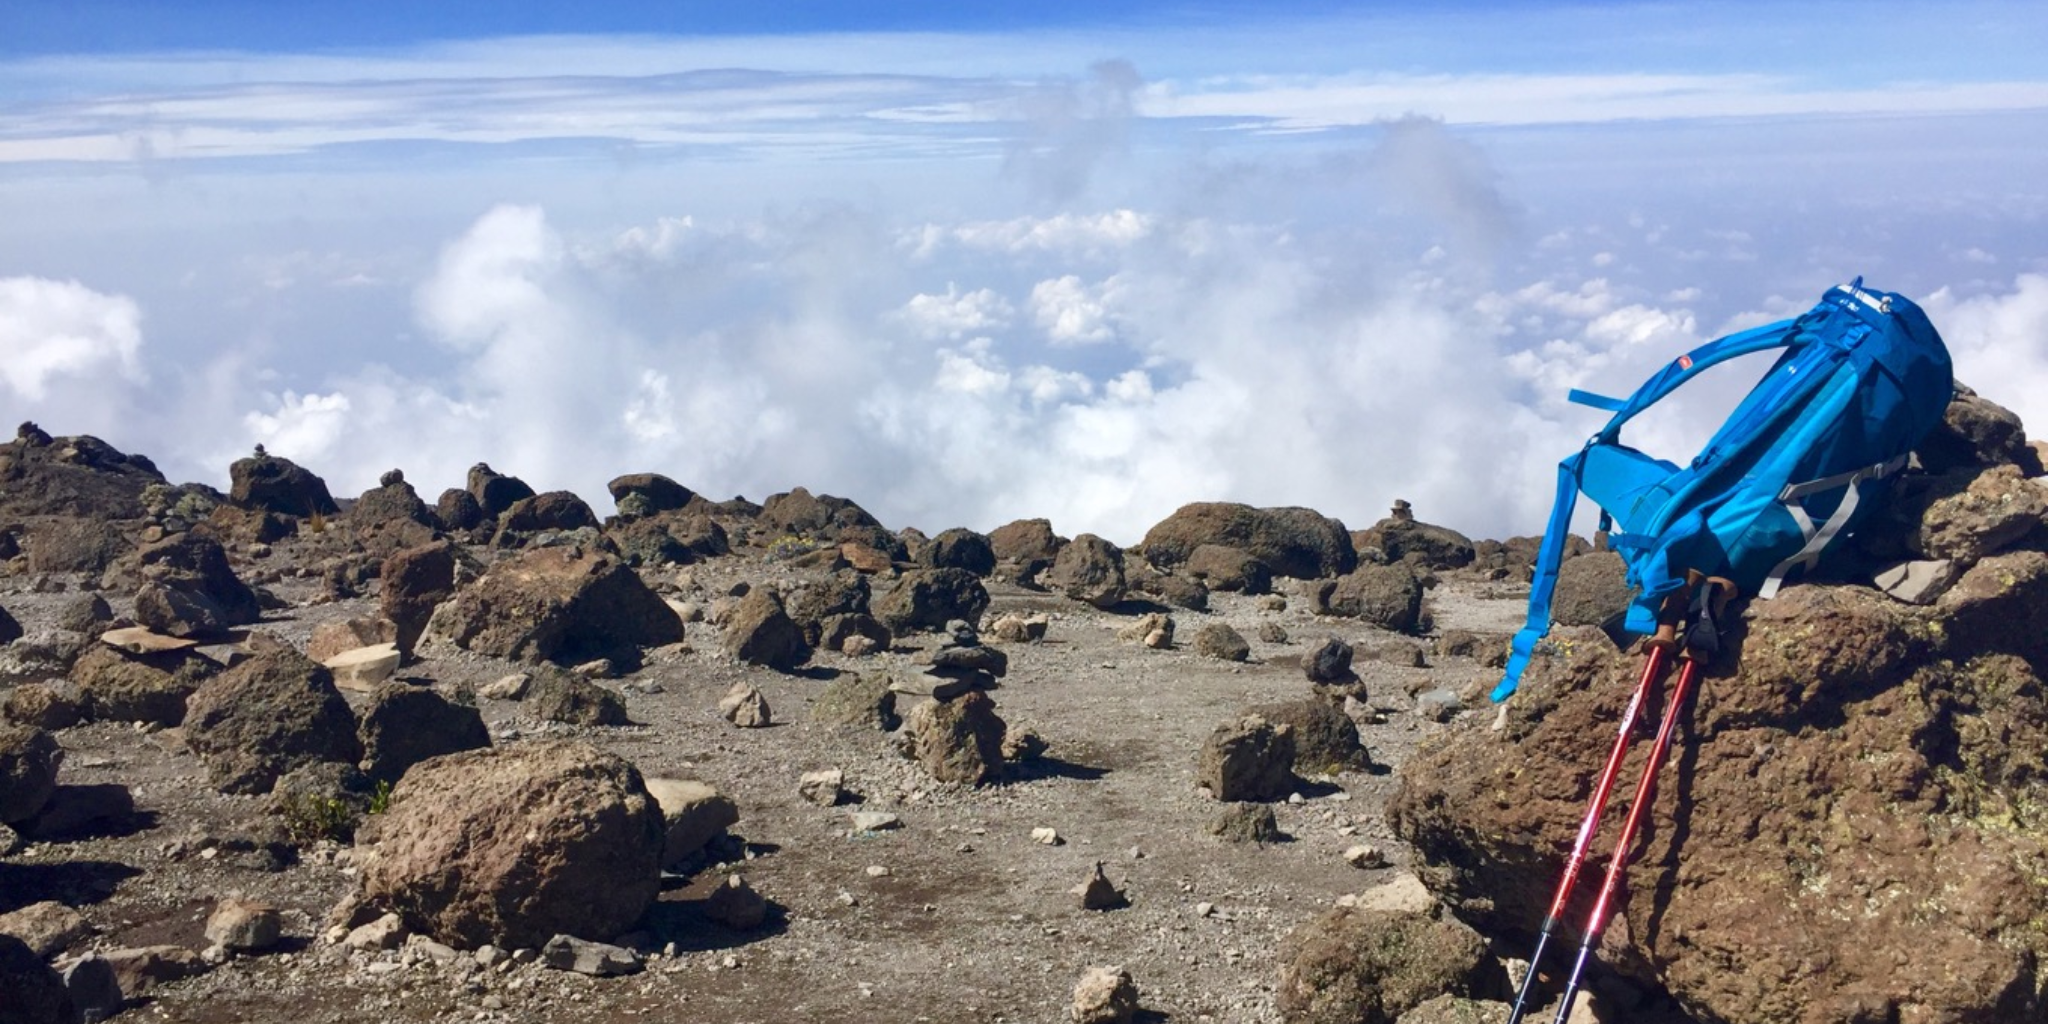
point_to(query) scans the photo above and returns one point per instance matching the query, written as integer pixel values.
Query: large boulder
(494, 492)
(646, 494)
(416, 581)
(1026, 540)
(122, 686)
(1400, 537)
(1228, 568)
(391, 500)
(555, 510)
(458, 509)
(272, 713)
(1387, 596)
(1846, 761)
(1325, 738)
(1090, 569)
(925, 599)
(35, 993)
(1353, 965)
(1249, 758)
(10, 628)
(1592, 590)
(555, 604)
(845, 592)
(77, 545)
(189, 589)
(822, 517)
(512, 846)
(272, 484)
(760, 632)
(1296, 542)
(1976, 432)
(79, 477)
(557, 695)
(29, 758)
(959, 740)
(959, 548)
(404, 725)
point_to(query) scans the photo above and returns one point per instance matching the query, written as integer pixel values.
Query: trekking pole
(1659, 647)
(1702, 640)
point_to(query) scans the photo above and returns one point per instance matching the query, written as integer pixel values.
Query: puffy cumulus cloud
(2000, 344)
(1071, 313)
(1094, 236)
(54, 331)
(956, 315)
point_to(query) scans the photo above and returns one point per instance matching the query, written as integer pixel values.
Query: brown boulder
(822, 517)
(556, 695)
(270, 714)
(1387, 596)
(1592, 589)
(458, 509)
(555, 604)
(959, 548)
(1230, 569)
(35, 993)
(404, 725)
(118, 686)
(1969, 515)
(493, 491)
(189, 589)
(1248, 759)
(1401, 538)
(274, 484)
(511, 846)
(1848, 759)
(78, 477)
(761, 633)
(29, 758)
(416, 580)
(926, 599)
(1218, 640)
(958, 740)
(391, 501)
(1090, 569)
(77, 545)
(1296, 542)
(1026, 540)
(864, 701)
(1325, 738)
(646, 494)
(1358, 966)
(555, 510)
(1976, 432)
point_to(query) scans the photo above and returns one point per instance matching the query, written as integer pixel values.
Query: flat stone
(595, 959)
(143, 640)
(1919, 582)
(387, 932)
(362, 669)
(875, 821)
(512, 687)
(696, 813)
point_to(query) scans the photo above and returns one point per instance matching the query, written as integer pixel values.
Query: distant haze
(964, 274)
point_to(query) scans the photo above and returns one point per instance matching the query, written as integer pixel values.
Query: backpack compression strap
(1544, 583)
(1817, 538)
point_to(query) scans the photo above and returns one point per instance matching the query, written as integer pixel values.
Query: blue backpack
(1862, 379)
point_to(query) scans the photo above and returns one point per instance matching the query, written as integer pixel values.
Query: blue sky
(964, 265)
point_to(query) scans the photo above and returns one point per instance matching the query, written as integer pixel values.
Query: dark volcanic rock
(1388, 596)
(10, 629)
(1976, 432)
(556, 604)
(799, 513)
(189, 588)
(555, 510)
(1228, 568)
(958, 740)
(35, 992)
(116, 686)
(393, 501)
(404, 725)
(931, 598)
(1401, 538)
(459, 510)
(1248, 759)
(1296, 542)
(1846, 760)
(647, 494)
(77, 545)
(1325, 738)
(495, 492)
(1592, 589)
(512, 846)
(275, 712)
(559, 696)
(865, 701)
(959, 548)
(762, 633)
(1090, 569)
(79, 477)
(274, 484)
(1358, 966)
(1026, 540)
(29, 759)
(416, 581)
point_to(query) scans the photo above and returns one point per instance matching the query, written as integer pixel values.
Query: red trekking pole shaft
(1652, 668)
(1646, 791)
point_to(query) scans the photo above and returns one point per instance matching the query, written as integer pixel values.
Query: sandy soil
(958, 916)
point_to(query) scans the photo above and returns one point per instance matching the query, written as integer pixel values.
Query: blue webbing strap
(1544, 583)
(1602, 402)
